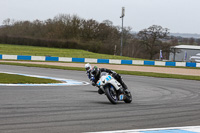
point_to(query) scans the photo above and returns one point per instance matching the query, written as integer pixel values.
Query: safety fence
(108, 61)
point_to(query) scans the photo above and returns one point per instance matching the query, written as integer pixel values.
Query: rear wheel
(111, 94)
(128, 95)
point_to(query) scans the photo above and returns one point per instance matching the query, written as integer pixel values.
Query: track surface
(156, 103)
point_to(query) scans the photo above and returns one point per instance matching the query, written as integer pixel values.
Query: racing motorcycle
(113, 89)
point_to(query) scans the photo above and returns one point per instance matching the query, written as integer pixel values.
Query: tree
(89, 29)
(152, 39)
(191, 41)
(198, 42)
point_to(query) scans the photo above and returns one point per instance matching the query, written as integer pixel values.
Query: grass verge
(19, 79)
(56, 52)
(150, 74)
(159, 75)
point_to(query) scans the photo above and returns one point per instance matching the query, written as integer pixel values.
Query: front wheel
(128, 98)
(111, 94)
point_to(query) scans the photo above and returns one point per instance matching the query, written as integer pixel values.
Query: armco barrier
(90, 60)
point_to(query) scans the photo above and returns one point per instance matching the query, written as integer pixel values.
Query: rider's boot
(125, 88)
(119, 79)
(100, 91)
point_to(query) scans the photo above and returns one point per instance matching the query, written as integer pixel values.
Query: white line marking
(194, 129)
(66, 82)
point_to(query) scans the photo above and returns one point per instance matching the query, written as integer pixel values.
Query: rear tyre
(111, 94)
(128, 95)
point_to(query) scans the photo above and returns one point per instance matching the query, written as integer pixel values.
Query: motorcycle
(113, 89)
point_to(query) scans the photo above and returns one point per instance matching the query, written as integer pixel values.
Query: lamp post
(122, 16)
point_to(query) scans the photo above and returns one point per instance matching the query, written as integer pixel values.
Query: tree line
(66, 31)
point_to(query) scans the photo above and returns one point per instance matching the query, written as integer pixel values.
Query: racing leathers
(90, 76)
(95, 78)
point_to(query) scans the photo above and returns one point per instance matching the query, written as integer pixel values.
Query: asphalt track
(157, 103)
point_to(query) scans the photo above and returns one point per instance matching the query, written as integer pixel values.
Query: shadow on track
(92, 91)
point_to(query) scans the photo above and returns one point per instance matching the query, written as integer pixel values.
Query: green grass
(150, 74)
(43, 51)
(56, 52)
(19, 79)
(159, 75)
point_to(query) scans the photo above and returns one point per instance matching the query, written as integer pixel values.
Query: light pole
(122, 16)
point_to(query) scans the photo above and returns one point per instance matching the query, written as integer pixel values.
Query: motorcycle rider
(95, 72)
(88, 69)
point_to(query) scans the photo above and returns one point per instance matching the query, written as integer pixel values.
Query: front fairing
(108, 79)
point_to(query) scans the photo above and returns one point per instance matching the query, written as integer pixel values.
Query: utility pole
(122, 17)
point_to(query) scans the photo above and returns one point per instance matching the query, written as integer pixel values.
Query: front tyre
(111, 94)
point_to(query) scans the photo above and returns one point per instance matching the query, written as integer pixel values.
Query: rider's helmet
(95, 71)
(88, 67)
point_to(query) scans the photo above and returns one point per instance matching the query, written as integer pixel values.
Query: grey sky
(181, 16)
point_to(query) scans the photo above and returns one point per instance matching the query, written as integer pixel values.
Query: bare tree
(152, 39)
(191, 41)
(198, 42)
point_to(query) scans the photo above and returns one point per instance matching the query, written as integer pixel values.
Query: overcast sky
(180, 16)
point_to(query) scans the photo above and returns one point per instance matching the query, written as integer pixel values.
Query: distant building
(183, 52)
